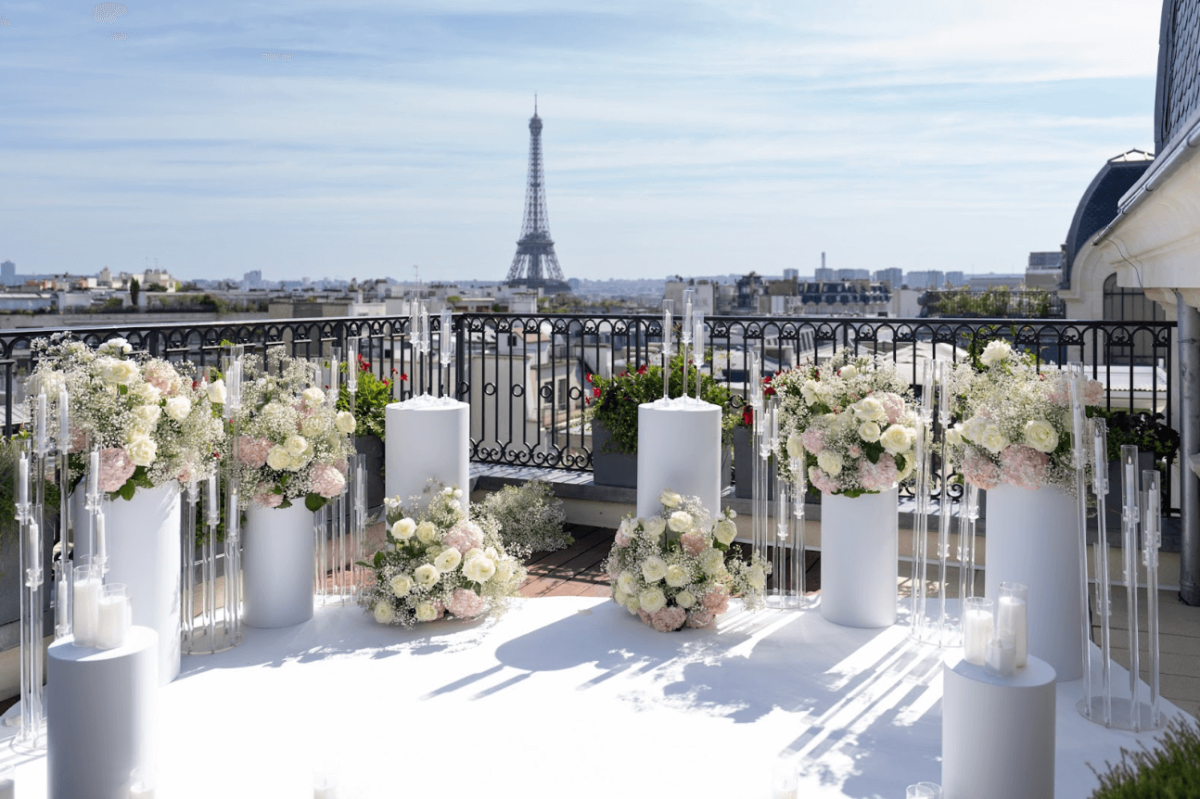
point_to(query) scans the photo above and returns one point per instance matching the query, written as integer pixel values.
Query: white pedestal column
(101, 712)
(679, 448)
(277, 566)
(427, 437)
(1032, 538)
(142, 538)
(859, 566)
(997, 732)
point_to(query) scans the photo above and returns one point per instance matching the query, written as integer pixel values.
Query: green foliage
(140, 479)
(1143, 430)
(135, 288)
(1169, 772)
(10, 453)
(530, 518)
(614, 401)
(997, 302)
(370, 401)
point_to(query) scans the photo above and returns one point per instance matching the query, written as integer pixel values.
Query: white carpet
(568, 697)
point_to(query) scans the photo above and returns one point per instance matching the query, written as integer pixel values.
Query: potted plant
(370, 402)
(613, 412)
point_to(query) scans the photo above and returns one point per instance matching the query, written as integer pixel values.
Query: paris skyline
(680, 137)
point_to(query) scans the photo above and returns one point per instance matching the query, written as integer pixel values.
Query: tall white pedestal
(679, 448)
(997, 732)
(101, 711)
(427, 437)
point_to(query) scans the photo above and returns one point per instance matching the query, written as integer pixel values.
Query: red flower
(642, 369)
(748, 416)
(403, 376)
(587, 400)
(589, 377)
(595, 392)
(386, 383)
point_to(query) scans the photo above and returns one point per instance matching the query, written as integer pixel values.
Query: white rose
(869, 431)
(725, 531)
(313, 395)
(830, 462)
(631, 604)
(995, 352)
(685, 599)
(505, 569)
(626, 582)
(313, 426)
(652, 599)
(680, 521)
(907, 470)
(148, 393)
(295, 445)
(278, 458)
(670, 499)
(677, 576)
(992, 439)
(654, 569)
(115, 345)
(1041, 436)
(426, 611)
(954, 437)
(756, 578)
(448, 560)
(973, 428)
(479, 569)
(712, 561)
(848, 372)
(896, 439)
(426, 533)
(794, 446)
(119, 373)
(216, 392)
(141, 450)
(345, 422)
(148, 415)
(809, 392)
(619, 596)
(426, 575)
(653, 528)
(403, 529)
(402, 585)
(869, 409)
(384, 614)
(296, 463)
(178, 408)
(435, 550)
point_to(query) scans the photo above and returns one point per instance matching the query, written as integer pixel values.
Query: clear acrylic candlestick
(756, 412)
(698, 338)
(1151, 542)
(919, 627)
(945, 635)
(667, 330)
(358, 466)
(352, 365)
(1079, 454)
(797, 595)
(445, 349)
(777, 592)
(32, 735)
(1101, 708)
(188, 583)
(1130, 490)
(64, 586)
(968, 514)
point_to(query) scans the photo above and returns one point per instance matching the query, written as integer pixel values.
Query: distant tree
(135, 290)
(453, 299)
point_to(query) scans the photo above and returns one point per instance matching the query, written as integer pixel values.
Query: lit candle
(1012, 620)
(977, 629)
(41, 420)
(23, 480)
(1001, 658)
(94, 472)
(64, 422)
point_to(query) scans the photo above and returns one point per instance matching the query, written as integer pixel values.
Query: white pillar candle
(87, 609)
(977, 631)
(33, 558)
(64, 423)
(112, 622)
(1001, 658)
(41, 420)
(1012, 621)
(101, 550)
(23, 480)
(94, 472)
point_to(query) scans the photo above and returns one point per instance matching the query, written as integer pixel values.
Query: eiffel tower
(535, 264)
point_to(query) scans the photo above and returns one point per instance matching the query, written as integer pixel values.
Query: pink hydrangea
(823, 482)
(979, 471)
(78, 438)
(668, 619)
(253, 451)
(161, 376)
(185, 473)
(700, 619)
(327, 481)
(466, 604)
(813, 440)
(1093, 392)
(716, 601)
(342, 465)
(694, 543)
(464, 536)
(1023, 467)
(878, 476)
(266, 498)
(622, 538)
(115, 468)
(893, 405)
(854, 451)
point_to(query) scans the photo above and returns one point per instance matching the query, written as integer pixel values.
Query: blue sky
(681, 136)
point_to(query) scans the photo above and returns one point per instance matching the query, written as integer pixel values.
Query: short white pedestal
(101, 710)
(277, 566)
(427, 437)
(859, 562)
(679, 448)
(997, 732)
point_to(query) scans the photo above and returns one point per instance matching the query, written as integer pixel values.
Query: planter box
(611, 468)
(743, 462)
(372, 447)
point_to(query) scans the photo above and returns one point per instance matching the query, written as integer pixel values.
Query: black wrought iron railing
(524, 376)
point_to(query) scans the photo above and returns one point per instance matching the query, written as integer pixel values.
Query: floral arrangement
(529, 517)
(849, 421)
(681, 568)
(153, 421)
(292, 442)
(438, 561)
(1017, 422)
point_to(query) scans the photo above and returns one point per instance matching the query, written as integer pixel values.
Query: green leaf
(314, 501)
(379, 559)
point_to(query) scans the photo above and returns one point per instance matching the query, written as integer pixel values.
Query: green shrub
(530, 518)
(1169, 772)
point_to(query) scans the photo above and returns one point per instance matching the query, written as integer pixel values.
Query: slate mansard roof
(1177, 100)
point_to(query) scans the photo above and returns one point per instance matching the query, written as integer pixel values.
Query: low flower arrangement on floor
(681, 568)
(1016, 426)
(438, 561)
(851, 422)
(292, 443)
(152, 421)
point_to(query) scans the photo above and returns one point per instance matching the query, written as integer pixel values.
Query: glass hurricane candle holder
(86, 601)
(1000, 658)
(978, 627)
(114, 617)
(1012, 620)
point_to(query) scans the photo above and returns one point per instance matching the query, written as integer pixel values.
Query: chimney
(822, 260)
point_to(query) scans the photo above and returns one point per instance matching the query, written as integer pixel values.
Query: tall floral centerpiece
(291, 458)
(437, 561)
(1014, 441)
(849, 422)
(153, 424)
(680, 568)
